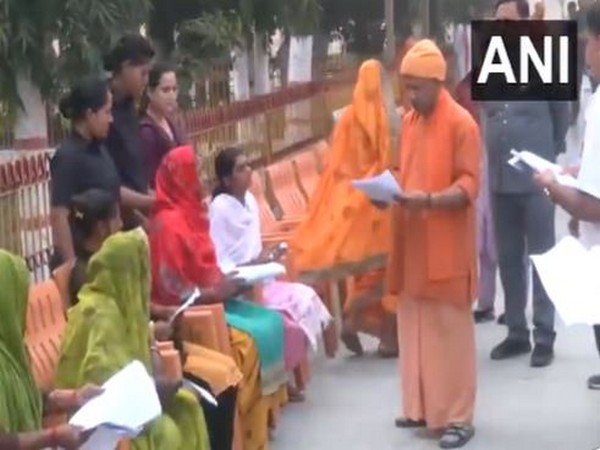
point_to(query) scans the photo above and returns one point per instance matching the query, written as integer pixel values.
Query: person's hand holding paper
(381, 189)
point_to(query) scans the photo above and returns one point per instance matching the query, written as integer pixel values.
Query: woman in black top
(81, 161)
(94, 216)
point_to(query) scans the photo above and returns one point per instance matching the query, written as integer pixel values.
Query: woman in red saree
(183, 258)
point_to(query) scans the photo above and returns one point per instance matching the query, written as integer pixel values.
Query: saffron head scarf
(20, 400)
(108, 328)
(183, 255)
(362, 146)
(424, 60)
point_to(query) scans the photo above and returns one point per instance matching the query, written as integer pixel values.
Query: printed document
(569, 273)
(382, 188)
(129, 402)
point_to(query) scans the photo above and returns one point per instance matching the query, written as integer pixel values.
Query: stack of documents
(129, 401)
(258, 273)
(382, 188)
(569, 273)
(538, 164)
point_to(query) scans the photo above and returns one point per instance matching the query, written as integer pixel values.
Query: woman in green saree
(109, 327)
(21, 404)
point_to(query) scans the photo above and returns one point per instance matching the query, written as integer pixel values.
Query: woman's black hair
(90, 94)
(132, 48)
(154, 78)
(87, 210)
(224, 167)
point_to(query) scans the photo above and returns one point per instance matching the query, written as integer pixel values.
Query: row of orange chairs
(283, 191)
(46, 322)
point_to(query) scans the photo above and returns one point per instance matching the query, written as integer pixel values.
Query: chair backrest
(44, 331)
(199, 327)
(62, 278)
(218, 314)
(267, 218)
(282, 181)
(321, 149)
(307, 172)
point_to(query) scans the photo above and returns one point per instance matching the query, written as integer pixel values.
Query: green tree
(51, 42)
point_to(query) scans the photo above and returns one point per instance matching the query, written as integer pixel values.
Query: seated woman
(21, 404)
(183, 257)
(108, 328)
(235, 231)
(343, 234)
(94, 216)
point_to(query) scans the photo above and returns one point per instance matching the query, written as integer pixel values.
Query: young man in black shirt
(129, 63)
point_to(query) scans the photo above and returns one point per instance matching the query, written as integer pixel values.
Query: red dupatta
(183, 255)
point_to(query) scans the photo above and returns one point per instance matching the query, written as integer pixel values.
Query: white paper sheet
(381, 188)
(129, 402)
(104, 438)
(200, 390)
(189, 302)
(569, 273)
(539, 164)
(259, 272)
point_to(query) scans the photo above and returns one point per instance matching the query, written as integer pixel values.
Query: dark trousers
(219, 419)
(524, 225)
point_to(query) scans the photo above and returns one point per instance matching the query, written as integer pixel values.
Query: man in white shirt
(583, 202)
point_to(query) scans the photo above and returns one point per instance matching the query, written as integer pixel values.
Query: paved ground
(352, 402)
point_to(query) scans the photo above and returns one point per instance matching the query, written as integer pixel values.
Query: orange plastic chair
(322, 149)
(44, 330)
(205, 325)
(62, 278)
(306, 172)
(282, 182)
(272, 229)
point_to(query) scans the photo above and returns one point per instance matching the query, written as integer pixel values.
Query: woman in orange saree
(342, 234)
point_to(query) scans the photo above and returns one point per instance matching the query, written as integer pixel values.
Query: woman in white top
(235, 231)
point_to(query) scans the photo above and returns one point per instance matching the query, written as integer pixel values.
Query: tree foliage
(55, 41)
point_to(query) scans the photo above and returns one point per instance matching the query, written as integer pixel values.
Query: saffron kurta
(433, 266)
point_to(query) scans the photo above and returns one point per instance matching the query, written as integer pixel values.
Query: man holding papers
(583, 201)
(433, 263)
(523, 216)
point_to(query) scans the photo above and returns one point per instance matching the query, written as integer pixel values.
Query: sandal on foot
(457, 435)
(409, 423)
(352, 343)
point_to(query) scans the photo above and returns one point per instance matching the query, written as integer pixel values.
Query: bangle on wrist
(430, 200)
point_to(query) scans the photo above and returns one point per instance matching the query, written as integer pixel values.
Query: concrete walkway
(352, 402)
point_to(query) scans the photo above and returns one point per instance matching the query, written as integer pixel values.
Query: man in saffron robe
(433, 260)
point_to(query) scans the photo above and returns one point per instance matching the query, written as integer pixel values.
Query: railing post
(268, 158)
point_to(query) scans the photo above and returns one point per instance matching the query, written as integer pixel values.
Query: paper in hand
(189, 302)
(382, 188)
(259, 272)
(569, 275)
(200, 390)
(525, 159)
(128, 402)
